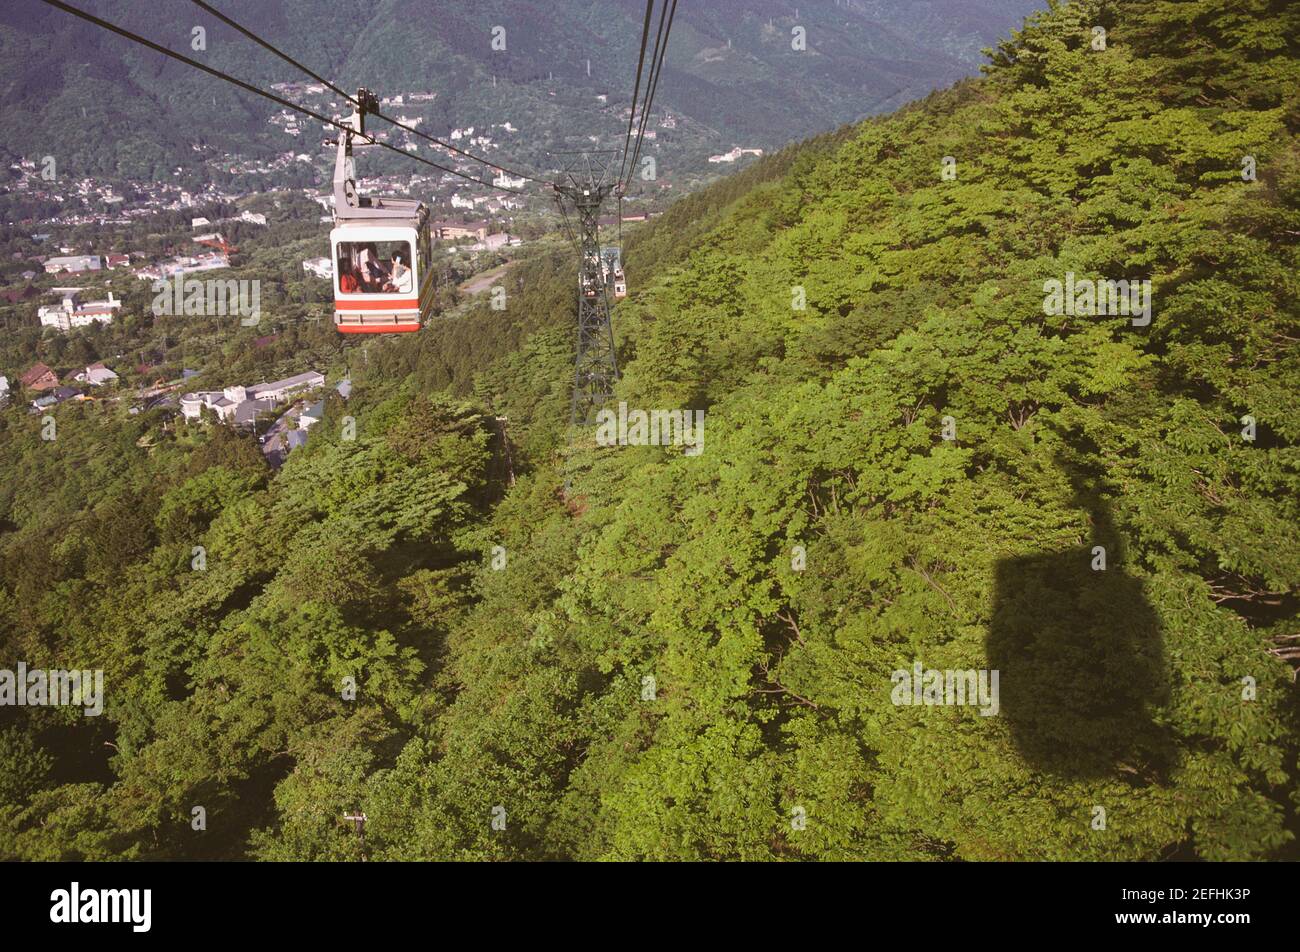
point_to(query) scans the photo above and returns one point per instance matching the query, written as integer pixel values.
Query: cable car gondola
(612, 264)
(383, 279)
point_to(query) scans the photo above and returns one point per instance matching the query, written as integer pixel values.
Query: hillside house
(54, 397)
(449, 230)
(494, 242)
(39, 378)
(97, 375)
(504, 180)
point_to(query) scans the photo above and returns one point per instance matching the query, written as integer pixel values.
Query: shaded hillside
(636, 652)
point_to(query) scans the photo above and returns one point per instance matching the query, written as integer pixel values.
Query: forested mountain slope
(102, 106)
(564, 650)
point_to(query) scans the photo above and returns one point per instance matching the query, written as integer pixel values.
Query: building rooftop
(297, 380)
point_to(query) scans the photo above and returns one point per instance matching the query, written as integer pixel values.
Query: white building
(69, 314)
(184, 264)
(231, 405)
(72, 264)
(494, 242)
(4, 389)
(281, 390)
(312, 415)
(321, 267)
(734, 154)
(241, 405)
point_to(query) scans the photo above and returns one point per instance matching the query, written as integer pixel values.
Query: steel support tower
(580, 193)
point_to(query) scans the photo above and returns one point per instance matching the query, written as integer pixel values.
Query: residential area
(282, 410)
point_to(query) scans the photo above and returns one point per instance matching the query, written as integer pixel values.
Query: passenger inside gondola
(348, 283)
(368, 267)
(373, 273)
(399, 276)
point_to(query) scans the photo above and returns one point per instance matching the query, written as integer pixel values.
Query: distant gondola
(611, 258)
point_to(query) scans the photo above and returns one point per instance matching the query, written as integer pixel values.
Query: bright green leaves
(187, 509)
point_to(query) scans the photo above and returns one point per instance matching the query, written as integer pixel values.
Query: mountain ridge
(60, 66)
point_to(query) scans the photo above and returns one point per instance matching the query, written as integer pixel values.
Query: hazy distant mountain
(102, 105)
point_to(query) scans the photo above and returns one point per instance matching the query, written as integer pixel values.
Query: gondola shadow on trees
(1081, 661)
